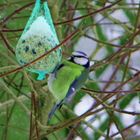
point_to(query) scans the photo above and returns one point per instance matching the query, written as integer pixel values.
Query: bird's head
(80, 58)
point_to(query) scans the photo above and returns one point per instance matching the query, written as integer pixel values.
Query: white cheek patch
(69, 58)
(81, 61)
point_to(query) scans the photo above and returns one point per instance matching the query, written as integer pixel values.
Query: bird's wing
(65, 76)
(76, 85)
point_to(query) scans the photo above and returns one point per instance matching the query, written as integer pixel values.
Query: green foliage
(102, 128)
(126, 101)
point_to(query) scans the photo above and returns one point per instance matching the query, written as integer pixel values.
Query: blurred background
(108, 105)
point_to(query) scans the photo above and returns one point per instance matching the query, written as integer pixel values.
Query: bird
(68, 78)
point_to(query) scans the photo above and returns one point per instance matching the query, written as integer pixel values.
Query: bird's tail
(55, 107)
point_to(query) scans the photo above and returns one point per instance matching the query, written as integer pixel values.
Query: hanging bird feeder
(38, 37)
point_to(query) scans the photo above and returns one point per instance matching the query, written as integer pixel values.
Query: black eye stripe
(79, 56)
(80, 52)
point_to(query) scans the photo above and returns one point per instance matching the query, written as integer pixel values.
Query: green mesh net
(38, 37)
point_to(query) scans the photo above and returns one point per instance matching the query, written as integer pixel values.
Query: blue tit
(68, 78)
